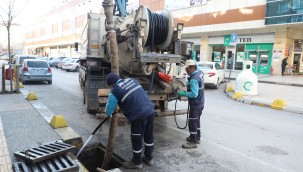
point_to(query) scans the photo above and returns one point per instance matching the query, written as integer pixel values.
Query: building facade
(225, 31)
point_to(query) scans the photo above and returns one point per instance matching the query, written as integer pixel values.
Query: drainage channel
(93, 156)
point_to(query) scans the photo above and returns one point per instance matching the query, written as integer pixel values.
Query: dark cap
(112, 78)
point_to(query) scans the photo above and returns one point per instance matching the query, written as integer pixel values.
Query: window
(297, 4)
(296, 19)
(283, 7)
(37, 64)
(217, 66)
(205, 66)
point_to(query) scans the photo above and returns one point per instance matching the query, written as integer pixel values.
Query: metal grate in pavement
(61, 163)
(43, 152)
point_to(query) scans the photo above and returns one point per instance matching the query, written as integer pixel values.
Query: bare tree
(7, 15)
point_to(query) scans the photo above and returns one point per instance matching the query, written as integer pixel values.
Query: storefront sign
(245, 39)
(277, 54)
(242, 39)
(227, 40)
(286, 50)
(179, 4)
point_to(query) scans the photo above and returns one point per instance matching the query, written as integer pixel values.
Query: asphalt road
(237, 136)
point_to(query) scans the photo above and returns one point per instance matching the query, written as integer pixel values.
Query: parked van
(19, 58)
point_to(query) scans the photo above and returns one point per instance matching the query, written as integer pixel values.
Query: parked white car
(71, 65)
(213, 73)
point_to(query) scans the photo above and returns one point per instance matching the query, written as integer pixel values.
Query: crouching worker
(139, 110)
(195, 94)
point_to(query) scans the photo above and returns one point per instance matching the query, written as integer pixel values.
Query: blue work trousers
(142, 128)
(194, 123)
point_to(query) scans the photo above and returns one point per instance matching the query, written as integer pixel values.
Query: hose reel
(159, 29)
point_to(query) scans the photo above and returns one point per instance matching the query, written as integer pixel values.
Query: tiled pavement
(5, 161)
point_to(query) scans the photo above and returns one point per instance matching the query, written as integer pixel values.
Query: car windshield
(37, 64)
(206, 66)
(66, 59)
(73, 61)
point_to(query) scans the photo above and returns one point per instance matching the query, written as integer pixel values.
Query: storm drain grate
(43, 152)
(61, 163)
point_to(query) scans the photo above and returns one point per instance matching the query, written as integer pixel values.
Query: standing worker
(139, 110)
(195, 94)
(283, 65)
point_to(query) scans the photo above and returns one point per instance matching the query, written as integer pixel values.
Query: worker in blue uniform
(195, 95)
(139, 110)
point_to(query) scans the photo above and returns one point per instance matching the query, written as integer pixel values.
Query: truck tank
(149, 49)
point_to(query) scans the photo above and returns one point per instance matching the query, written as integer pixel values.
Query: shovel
(81, 149)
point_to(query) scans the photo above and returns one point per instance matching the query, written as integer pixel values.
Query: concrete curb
(67, 134)
(274, 82)
(267, 104)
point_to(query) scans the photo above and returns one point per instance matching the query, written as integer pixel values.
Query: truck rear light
(25, 69)
(49, 70)
(210, 74)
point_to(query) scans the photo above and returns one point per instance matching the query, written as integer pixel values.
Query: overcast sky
(34, 9)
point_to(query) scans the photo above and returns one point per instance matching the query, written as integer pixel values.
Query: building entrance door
(230, 59)
(297, 64)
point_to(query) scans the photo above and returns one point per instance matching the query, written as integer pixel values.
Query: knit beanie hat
(112, 78)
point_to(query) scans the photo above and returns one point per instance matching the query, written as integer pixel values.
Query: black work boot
(189, 145)
(146, 161)
(188, 139)
(131, 165)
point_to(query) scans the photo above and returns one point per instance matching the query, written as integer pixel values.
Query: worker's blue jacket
(131, 98)
(195, 89)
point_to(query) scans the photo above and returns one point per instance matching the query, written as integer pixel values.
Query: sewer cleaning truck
(149, 49)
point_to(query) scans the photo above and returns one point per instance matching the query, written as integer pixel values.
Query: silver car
(35, 70)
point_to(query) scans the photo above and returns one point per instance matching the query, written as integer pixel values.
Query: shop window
(218, 51)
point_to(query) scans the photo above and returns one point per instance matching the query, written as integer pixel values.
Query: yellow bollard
(58, 121)
(237, 95)
(32, 96)
(21, 85)
(278, 104)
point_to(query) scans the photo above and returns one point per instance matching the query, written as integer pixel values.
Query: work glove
(181, 93)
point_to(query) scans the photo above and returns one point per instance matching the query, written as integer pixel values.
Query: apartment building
(226, 31)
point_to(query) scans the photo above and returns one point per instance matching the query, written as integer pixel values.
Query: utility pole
(108, 6)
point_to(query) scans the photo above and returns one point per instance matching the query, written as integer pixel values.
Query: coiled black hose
(158, 24)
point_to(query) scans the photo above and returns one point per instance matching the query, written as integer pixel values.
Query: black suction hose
(176, 118)
(158, 24)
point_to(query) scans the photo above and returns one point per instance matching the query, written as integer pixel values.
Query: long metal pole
(3, 79)
(108, 6)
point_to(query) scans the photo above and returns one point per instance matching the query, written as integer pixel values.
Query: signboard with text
(179, 4)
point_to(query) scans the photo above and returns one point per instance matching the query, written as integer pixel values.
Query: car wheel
(77, 69)
(223, 79)
(23, 82)
(49, 82)
(217, 85)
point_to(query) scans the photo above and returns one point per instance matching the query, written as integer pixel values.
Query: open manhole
(92, 157)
